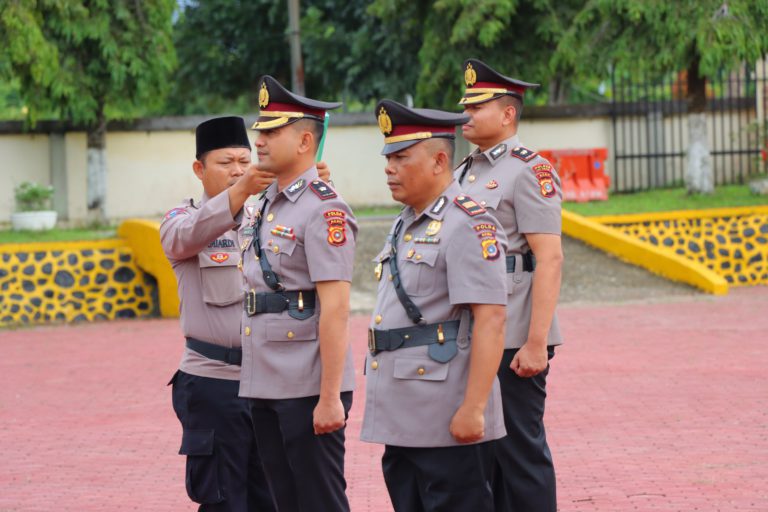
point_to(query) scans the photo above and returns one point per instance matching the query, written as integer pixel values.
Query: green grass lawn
(668, 200)
(8, 236)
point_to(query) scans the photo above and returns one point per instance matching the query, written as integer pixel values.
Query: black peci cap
(221, 132)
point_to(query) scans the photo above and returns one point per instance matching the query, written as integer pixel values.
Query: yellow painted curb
(633, 218)
(108, 243)
(143, 236)
(658, 261)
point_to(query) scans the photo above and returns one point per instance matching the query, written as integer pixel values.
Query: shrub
(31, 197)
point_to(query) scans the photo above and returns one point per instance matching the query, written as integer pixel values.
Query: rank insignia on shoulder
(490, 248)
(322, 190)
(498, 151)
(524, 154)
(439, 205)
(296, 186)
(469, 206)
(544, 177)
(176, 211)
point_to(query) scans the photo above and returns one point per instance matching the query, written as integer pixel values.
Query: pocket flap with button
(222, 286)
(197, 442)
(288, 329)
(424, 255)
(491, 200)
(420, 369)
(284, 246)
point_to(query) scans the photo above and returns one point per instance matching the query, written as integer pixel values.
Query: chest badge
(433, 228)
(492, 184)
(378, 270)
(219, 257)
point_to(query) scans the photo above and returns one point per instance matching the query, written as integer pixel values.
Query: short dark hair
(444, 144)
(514, 101)
(312, 126)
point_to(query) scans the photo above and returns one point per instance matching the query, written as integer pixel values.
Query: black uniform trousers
(224, 471)
(444, 479)
(523, 476)
(306, 471)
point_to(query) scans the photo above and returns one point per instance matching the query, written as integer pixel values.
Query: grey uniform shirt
(200, 242)
(522, 190)
(447, 260)
(308, 235)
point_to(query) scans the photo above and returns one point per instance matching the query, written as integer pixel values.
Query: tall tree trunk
(97, 169)
(699, 176)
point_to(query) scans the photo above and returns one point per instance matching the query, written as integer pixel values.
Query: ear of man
(312, 128)
(442, 151)
(514, 102)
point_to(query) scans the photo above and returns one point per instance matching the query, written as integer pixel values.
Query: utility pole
(294, 39)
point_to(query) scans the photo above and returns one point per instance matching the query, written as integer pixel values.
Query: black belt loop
(528, 259)
(212, 351)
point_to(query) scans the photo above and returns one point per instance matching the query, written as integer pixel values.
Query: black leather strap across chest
(411, 309)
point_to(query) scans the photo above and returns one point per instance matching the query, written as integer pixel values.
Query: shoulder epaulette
(322, 190)
(469, 206)
(524, 154)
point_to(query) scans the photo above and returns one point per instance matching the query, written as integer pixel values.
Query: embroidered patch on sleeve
(469, 206)
(543, 174)
(337, 227)
(322, 190)
(490, 248)
(176, 211)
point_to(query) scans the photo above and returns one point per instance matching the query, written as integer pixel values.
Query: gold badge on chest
(378, 270)
(433, 228)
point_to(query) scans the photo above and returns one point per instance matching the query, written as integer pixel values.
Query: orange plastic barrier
(582, 173)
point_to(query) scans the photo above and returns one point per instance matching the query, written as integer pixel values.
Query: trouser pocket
(202, 466)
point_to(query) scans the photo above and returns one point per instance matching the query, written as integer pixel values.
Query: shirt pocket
(491, 200)
(288, 329)
(221, 280)
(280, 251)
(420, 267)
(411, 368)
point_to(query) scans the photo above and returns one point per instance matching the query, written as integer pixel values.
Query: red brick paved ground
(653, 407)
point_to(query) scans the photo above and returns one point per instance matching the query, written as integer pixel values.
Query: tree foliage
(89, 59)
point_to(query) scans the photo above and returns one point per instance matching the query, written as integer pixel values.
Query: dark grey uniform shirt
(522, 190)
(201, 244)
(308, 235)
(447, 260)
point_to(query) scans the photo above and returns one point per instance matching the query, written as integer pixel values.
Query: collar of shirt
(510, 144)
(436, 210)
(295, 189)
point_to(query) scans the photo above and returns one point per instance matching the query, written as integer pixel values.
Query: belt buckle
(371, 341)
(250, 303)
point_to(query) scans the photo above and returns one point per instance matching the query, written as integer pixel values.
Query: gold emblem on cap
(385, 123)
(263, 95)
(470, 76)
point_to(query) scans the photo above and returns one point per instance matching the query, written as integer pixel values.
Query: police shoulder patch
(543, 174)
(469, 206)
(322, 190)
(524, 154)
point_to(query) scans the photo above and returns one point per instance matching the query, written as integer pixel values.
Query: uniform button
(270, 217)
(247, 331)
(290, 334)
(471, 178)
(378, 319)
(421, 371)
(374, 365)
(418, 256)
(411, 253)
(460, 198)
(482, 203)
(270, 242)
(408, 237)
(276, 249)
(390, 277)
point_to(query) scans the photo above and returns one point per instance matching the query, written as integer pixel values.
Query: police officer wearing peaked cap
(436, 335)
(522, 190)
(297, 245)
(224, 470)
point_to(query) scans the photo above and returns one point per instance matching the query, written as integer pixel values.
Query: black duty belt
(217, 352)
(441, 338)
(529, 262)
(300, 304)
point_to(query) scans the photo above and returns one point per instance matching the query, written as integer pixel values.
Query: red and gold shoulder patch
(543, 174)
(337, 227)
(486, 232)
(322, 190)
(524, 154)
(469, 206)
